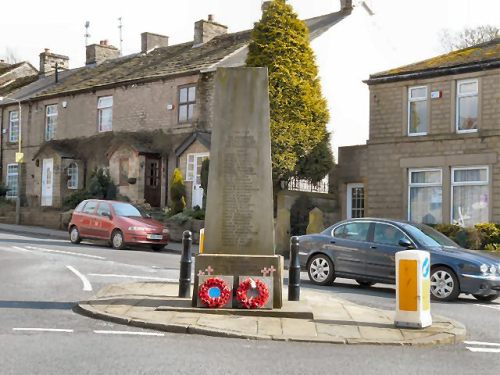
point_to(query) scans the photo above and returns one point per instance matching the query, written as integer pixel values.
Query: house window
(469, 195)
(467, 105)
(73, 176)
(425, 196)
(187, 103)
(123, 180)
(417, 110)
(12, 172)
(50, 121)
(355, 201)
(13, 126)
(105, 113)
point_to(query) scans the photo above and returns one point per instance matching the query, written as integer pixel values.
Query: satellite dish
(87, 23)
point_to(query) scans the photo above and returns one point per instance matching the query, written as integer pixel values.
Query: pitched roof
(479, 57)
(16, 84)
(173, 60)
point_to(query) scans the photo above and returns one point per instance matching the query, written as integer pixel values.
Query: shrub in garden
(489, 233)
(177, 192)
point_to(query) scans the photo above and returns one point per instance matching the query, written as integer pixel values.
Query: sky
(400, 32)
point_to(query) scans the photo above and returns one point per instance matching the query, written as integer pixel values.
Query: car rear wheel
(74, 235)
(157, 247)
(320, 270)
(365, 284)
(486, 298)
(117, 241)
(444, 284)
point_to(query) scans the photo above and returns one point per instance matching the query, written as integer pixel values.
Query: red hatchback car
(119, 223)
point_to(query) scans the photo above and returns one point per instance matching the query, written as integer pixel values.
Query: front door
(194, 174)
(47, 181)
(152, 178)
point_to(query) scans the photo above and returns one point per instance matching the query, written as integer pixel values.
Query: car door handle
(332, 241)
(373, 247)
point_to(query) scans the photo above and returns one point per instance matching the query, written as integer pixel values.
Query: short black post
(294, 271)
(186, 262)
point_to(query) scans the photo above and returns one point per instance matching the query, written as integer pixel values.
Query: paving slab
(332, 320)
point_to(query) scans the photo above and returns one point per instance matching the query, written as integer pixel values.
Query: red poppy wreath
(252, 302)
(214, 292)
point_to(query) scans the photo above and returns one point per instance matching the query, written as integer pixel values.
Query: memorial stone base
(241, 265)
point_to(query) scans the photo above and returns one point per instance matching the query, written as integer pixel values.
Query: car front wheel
(74, 235)
(320, 270)
(444, 284)
(117, 240)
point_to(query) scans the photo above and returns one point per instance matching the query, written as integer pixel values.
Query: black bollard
(294, 271)
(186, 262)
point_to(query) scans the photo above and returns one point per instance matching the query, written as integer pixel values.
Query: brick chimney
(150, 41)
(98, 53)
(48, 61)
(265, 5)
(345, 4)
(207, 30)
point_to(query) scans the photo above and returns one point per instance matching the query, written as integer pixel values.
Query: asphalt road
(41, 279)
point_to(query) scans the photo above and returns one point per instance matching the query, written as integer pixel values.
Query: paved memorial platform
(319, 317)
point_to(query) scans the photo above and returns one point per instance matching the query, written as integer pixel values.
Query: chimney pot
(211, 17)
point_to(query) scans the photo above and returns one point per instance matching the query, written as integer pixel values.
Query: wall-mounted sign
(436, 94)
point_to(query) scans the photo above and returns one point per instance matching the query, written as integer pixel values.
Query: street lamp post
(19, 158)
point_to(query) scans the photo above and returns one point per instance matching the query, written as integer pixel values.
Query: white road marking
(129, 333)
(66, 252)
(21, 249)
(484, 350)
(86, 283)
(135, 277)
(481, 343)
(494, 307)
(43, 330)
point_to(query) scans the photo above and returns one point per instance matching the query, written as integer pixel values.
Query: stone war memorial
(238, 268)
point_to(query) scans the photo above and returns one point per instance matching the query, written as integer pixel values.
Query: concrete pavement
(155, 305)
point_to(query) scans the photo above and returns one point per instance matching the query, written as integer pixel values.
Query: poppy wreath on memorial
(253, 302)
(214, 302)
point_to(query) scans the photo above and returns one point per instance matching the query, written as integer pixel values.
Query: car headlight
(493, 269)
(166, 231)
(137, 228)
(484, 268)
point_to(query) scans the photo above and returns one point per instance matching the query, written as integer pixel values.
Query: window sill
(467, 131)
(416, 134)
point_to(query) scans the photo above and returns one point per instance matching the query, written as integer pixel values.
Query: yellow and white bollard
(413, 288)
(202, 240)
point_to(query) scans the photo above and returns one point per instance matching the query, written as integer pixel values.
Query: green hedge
(484, 236)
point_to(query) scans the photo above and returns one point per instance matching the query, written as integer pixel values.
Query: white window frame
(72, 173)
(11, 174)
(423, 184)
(457, 109)
(419, 99)
(100, 108)
(469, 183)
(349, 198)
(50, 135)
(192, 163)
(11, 127)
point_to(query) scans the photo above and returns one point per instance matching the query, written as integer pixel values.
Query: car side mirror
(106, 214)
(406, 243)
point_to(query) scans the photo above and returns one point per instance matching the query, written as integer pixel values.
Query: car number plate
(155, 237)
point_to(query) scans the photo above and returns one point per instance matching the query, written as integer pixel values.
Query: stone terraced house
(140, 115)
(434, 142)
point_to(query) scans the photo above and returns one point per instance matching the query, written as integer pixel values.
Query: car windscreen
(427, 236)
(126, 209)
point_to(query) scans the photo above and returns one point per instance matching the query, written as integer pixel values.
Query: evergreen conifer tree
(299, 113)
